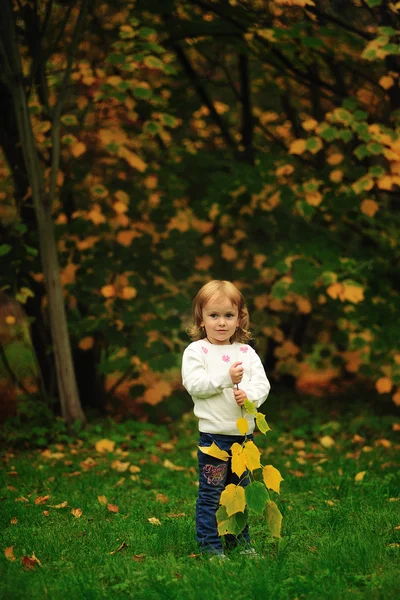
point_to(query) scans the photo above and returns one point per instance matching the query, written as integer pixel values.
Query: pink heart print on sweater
(214, 474)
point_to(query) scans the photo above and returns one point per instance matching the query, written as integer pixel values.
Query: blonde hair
(219, 288)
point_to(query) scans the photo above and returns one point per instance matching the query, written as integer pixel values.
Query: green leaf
(116, 58)
(152, 127)
(142, 93)
(329, 133)
(153, 62)
(233, 525)
(5, 249)
(256, 497)
(69, 120)
(375, 148)
(262, 423)
(250, 407)
(274, 519)
(373, 3)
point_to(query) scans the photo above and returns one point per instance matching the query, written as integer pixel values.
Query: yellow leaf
(243, 425)
(385, 182)
(284, 170)
(369, 207)
(76, 512)
(108, 291)
(360, 476)
(86, 343)
(386, 82)
(214, 451)
(102, 499)
(327, 441)
(128, 292)
(396, 398)
(134, 469)
(297, 147)
(250, 407)
(274, 519)
(272, 478)
(314, 198)
(335, 159)
(77, 149)
(228, 252)
(119, 466)
(252, 456)
(105, 445)
(132, 159)
(336, 176)
(233, 498)
(309, 124)
(112, 508)
(154, 521)
(238, 459)
(170, 465)
(353, 293)
(120, 208)
(384, 385)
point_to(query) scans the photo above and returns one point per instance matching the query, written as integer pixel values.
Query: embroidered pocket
(214, 474)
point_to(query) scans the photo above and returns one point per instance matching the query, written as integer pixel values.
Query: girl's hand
(236, 372)
(240, 396)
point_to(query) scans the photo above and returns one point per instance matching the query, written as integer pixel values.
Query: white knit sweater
(205, 374)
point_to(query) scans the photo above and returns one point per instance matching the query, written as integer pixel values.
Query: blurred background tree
(255, 141)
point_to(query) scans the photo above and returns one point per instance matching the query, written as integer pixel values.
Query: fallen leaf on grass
(87, 464)
(113, 508)
(119, 466)
(62, 505)
(105, 446)
(122, 546)
(139, 557)
(396, 427)
(73, 474)
(170, 465)
(394, 545)
(134, 469)
(13, 473)
(46, 513)
(14, 521)
(9, 553)
(52, 455)
(41, 499)
(327, 441)
(360, 476)
(162, 498)
(30, 562)
(154, 521)
(397, 528)
(383, 442)
(102, 499)
(21, 499)
(367, 449)
(119, 482)
(176, 515)
(76, 512)
(296, 473)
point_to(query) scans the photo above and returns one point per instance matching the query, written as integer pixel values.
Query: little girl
(214, 365)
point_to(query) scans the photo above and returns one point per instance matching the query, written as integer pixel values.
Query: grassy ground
(341, 537)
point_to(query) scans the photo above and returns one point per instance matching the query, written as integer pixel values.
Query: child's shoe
(220, 556)
(251, 552)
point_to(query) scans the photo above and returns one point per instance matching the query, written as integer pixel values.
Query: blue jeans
(214, 476)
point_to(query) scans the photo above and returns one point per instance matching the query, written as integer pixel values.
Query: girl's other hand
(240, 396)
(236, 372)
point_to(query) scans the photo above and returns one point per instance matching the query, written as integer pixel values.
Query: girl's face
(220, 319)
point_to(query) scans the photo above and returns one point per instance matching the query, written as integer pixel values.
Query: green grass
(339, 536)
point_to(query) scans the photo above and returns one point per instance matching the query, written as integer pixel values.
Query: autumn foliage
(255, 141)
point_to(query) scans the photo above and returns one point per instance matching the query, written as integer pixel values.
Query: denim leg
(212, 481)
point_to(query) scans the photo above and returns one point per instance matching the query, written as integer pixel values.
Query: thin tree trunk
(13, 76)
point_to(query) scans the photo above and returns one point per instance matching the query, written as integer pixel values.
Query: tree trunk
(12, 74)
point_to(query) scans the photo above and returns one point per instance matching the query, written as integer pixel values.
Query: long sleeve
(257, 388)
(197, 381)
